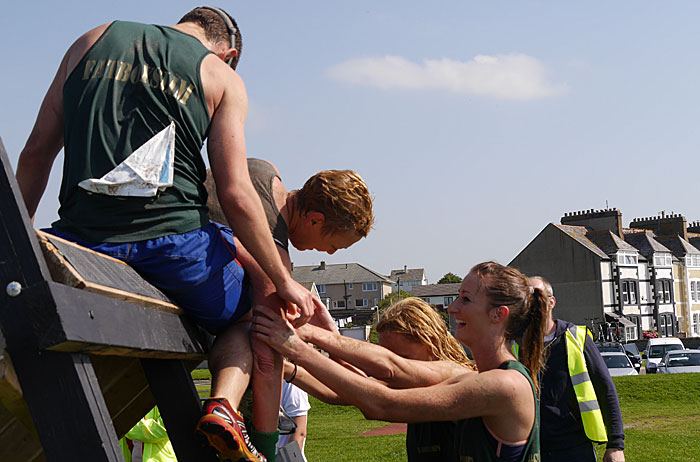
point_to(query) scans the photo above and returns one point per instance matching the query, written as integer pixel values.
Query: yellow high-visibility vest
(586, 398)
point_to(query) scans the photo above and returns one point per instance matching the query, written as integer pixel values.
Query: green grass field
(661, 414)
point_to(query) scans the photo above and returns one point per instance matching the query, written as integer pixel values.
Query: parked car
(633, 354)
(614, 347)
(679, 361)
(657, 348)
(618, 364)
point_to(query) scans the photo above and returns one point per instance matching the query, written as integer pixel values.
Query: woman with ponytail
(496, 408)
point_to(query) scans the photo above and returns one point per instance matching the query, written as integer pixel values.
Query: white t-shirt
(295, 403)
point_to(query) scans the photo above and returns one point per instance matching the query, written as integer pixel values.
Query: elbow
(376, 410)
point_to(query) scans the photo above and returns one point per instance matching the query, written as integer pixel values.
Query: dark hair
(527, 320)
(215, 28)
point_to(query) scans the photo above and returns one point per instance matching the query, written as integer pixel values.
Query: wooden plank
(125, 389)
(17, 442)
(11, 396)
(95, 324)
(20, 256)
(83, 268)
(179, 405)
(64, 398)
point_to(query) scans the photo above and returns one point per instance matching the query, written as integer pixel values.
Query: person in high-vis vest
(579, 406)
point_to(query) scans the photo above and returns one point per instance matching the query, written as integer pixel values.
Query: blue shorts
(197, 270)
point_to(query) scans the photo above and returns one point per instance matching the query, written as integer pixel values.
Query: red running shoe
(225, 430)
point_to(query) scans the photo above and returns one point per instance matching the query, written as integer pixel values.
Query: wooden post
(178, 402)
(61, 389)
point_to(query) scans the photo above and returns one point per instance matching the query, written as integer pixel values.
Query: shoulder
(81, 46)
(260, 164)
(507, 383)
(220, 81)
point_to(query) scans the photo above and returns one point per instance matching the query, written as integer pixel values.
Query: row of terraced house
(620, 281)
(630, 279)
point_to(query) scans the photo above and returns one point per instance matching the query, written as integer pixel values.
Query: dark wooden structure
(87, 348)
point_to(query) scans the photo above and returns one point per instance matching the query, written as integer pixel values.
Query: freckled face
(405, 346)
(470, 310)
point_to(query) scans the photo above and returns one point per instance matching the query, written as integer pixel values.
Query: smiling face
(405, 346)
(471, 310)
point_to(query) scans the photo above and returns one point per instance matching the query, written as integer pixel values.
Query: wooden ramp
(87, 348)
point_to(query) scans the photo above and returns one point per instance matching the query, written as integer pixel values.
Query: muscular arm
(46, 138)
(239, 201)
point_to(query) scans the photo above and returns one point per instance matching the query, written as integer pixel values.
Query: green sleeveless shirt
(472, 442)
(130, 85)
(431, 442)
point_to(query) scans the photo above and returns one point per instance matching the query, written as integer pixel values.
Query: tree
(449, 278)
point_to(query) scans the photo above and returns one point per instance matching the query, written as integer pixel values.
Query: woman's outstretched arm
(493, 393)
(376, 361)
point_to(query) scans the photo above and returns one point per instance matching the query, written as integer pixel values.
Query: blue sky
(474, 123)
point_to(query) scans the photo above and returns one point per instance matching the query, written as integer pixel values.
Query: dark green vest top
(472, 443)
(431, 442)
(129, 86)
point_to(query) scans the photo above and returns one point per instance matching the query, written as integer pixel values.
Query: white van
(657, 347)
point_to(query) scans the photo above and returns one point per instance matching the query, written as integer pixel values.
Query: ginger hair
(418, 320)
(527, 317)
(342, 197)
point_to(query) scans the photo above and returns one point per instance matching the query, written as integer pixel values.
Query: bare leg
(230, 363)
(267, 370)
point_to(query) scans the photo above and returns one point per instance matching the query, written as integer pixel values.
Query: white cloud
(510, 77)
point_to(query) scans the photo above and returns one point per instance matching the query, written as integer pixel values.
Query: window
(360, 302)
(350, 286)
(635, 332)
(695, 291)
(692, 260)
(339, 304)
(369, 287)
(629, 292)
(626, 258)
(663, 293)
(376, 300)
(321, 288)
(666, 325)
(447, 300)
(662, 259)
(696, 324)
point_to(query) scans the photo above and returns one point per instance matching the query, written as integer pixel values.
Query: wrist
(293, 374)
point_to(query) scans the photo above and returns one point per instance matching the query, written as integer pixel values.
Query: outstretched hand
(306, 304)
(272, 327)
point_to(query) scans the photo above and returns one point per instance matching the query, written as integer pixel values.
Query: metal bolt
(14, 289)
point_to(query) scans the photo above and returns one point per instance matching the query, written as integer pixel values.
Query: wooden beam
(20, 256)
(179, 405)
(64, 397)
(91, 323)
(86, 269)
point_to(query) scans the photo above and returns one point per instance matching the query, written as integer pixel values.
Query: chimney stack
(694, 227)
(595, 220)
(323, 265)
(664, 224)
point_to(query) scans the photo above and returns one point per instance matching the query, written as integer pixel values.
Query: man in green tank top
(132, 104)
